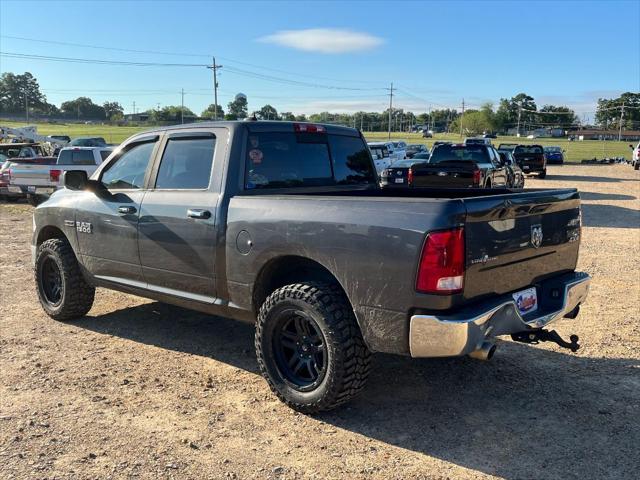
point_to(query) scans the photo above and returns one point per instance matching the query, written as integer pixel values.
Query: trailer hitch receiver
(541, 335)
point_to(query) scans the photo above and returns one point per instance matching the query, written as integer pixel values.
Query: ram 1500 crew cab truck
(284, 225)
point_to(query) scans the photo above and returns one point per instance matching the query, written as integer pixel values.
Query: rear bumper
(32, 189)
(5, 192)
(465, 331)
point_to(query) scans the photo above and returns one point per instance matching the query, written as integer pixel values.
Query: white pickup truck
(40, 181)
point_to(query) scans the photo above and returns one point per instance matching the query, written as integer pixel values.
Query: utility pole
(462, 117)
(214, 67)
(390, 108)
(361, 116)
(78, 111)
(182, 107)
(134, 107)
(26, 107)
(519, 114)
(620, 126)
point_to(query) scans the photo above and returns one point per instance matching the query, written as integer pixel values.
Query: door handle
(127, 210)
(198, 213)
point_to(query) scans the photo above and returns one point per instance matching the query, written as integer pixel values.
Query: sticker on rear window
(255, 155)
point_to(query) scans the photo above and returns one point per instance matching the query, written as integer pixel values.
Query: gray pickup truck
(284, 225)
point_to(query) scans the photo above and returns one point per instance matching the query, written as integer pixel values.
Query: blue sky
(436, 53)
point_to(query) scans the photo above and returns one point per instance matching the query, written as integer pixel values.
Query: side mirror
(75, 179)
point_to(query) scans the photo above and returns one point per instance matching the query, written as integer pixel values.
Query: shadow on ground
(604, 196)
(552, 414)
(596, 215)
(587, 178)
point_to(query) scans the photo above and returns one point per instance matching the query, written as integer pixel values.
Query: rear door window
(186, 163)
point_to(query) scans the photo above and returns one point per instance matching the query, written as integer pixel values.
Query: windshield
(552, 149)
(459, 153)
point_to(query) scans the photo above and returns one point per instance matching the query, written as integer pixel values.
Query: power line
(156, 52)
(234, 70)
(97, 62)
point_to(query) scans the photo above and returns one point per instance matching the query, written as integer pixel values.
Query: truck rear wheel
(310, 348)
(62, 290)
(543, 173)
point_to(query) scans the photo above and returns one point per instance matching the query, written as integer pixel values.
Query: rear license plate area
(526, 300)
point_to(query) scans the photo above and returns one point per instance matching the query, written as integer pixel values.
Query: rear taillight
(410, 176)
(441, 268)
(476, 177)
(54, 175)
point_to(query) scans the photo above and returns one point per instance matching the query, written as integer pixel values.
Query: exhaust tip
(485, 352)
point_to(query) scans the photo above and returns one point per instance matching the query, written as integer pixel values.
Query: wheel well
(286, 270)
(49, 232)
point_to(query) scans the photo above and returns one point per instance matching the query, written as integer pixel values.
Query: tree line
(19, 93)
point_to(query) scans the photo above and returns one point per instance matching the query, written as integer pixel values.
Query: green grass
(575, 151)
(111, 133)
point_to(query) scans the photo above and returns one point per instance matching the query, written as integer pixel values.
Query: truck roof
(258, 126)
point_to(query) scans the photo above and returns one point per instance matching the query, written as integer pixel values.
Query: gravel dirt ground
(139, 389)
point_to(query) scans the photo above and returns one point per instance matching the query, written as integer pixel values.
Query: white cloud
(324, 40)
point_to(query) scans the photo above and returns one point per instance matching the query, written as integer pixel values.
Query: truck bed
(378, 235)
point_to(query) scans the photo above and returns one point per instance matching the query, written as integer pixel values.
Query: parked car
(515, 175)
(283, 225)
(23, 150)
(399, 151)
(635, 156)
(460, 166)
(554, 155)
(397, 174)
(88, 142)
(531, 159)
(38, 182)
(380, 155)
(64, 138)
(489, 135)
(395, 153)
(5, 178)
(414, 148)
(427, 134)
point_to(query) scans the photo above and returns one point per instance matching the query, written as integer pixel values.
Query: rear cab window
(306, 159)
(528, 149)
(460, 153)
(76, 157)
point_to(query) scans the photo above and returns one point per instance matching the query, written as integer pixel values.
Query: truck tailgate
(30, 174)
(514, 241)
(443, 175)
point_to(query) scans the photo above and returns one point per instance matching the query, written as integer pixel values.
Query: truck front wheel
(310, 348)
(62, 290)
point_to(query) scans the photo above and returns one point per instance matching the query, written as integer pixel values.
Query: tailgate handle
(127, 210)
(198, 213)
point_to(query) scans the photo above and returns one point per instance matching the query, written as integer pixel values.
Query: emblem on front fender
(536, 235)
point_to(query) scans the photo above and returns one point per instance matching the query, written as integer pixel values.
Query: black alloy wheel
(51, 284)
(300, 350)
